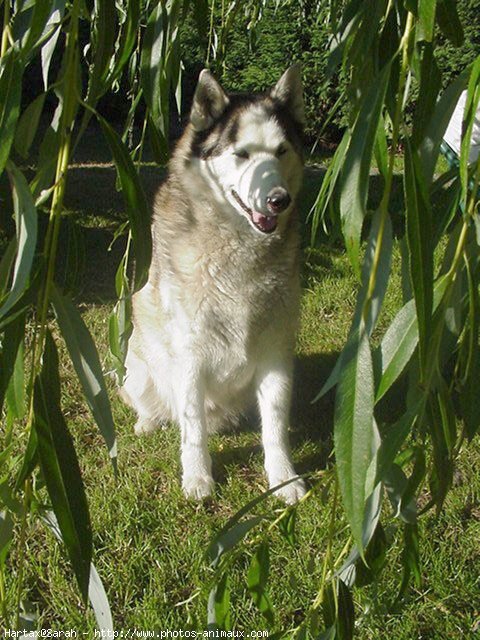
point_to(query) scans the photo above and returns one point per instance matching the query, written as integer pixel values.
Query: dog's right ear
(289, 92)
(209, 102)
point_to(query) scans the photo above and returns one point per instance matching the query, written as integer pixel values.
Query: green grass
(150, 542)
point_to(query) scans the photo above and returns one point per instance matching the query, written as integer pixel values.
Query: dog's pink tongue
(265, 223)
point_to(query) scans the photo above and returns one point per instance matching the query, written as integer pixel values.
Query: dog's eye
(281, 151)
(242, 153)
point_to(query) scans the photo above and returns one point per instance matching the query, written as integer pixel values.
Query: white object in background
(453, 134)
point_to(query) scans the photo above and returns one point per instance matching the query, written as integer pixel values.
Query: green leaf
(49, 47)
(6, 264)
(287, 526)
(119, 331)
(99, 601)
(257, 577)
(41, 185)
(103, 38)
(157, 61)
(328, 634)
(27, 298)
(176, 72)
(469, 396)
(84, 356)
(399, 343)
(430, 83)
(410, 559)
(446, 202)
(437, 125)
(375, 557)
(9, 499)
(367, 314)
(30, 460)
(395, 482)
(10, 95)
(328, 186)
(60, 467)
(136, 202)
(449, 22)
(442, 472)
(26, 230)
(381, 147)
(120, 325)
(12, 367)
(476, 222)
(15, 391)
(396, 435)
(96, 591)
(396, 348)
(219, 604)
(158, 142)
(348, 571)
(408, 501)
(355, 433)
(447, 414)
(356, 170)
(229, 538)
(470, 113)
(28, 125)
(6, 535)
(426, 19)
(41, 14)
(128, 39)
(226, 538)
(153, 54)
(338, 610)
(419, 238)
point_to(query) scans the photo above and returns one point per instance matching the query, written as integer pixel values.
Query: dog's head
(249, 147)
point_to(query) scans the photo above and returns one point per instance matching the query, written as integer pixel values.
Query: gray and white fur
(214, 327)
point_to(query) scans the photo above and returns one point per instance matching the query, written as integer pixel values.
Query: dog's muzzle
(266, 223)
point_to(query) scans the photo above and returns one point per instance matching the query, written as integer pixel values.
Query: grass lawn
(150, 542)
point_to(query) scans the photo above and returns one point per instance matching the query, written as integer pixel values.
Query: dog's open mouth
(265, 224)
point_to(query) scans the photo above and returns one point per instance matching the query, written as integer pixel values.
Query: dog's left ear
(209, 102)
(289, 91)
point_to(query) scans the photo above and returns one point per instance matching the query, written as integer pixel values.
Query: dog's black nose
(278, 200)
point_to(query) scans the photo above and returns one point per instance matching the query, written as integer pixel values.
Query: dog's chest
(230, 299)
(234, 316)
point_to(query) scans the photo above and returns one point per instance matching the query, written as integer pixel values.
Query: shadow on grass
(311, 421)
(89, 254)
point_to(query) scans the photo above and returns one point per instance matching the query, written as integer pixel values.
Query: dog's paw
(197, 487)
(291, 492)
(145, 426)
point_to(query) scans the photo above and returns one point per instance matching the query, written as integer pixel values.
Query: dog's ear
(209, 102)
(289, 92)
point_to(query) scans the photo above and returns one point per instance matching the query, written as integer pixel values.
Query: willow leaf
(26, 229)
(419, 238)
(136, 202)
(355, 433)
(60, 468)
(356, 170)
(84, 356)
(10, 95)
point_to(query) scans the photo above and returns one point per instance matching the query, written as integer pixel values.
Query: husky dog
(214, 327)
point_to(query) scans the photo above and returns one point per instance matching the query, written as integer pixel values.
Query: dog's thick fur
(214, 327)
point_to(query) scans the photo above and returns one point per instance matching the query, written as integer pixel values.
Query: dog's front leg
(197, 481)
(274, 384)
